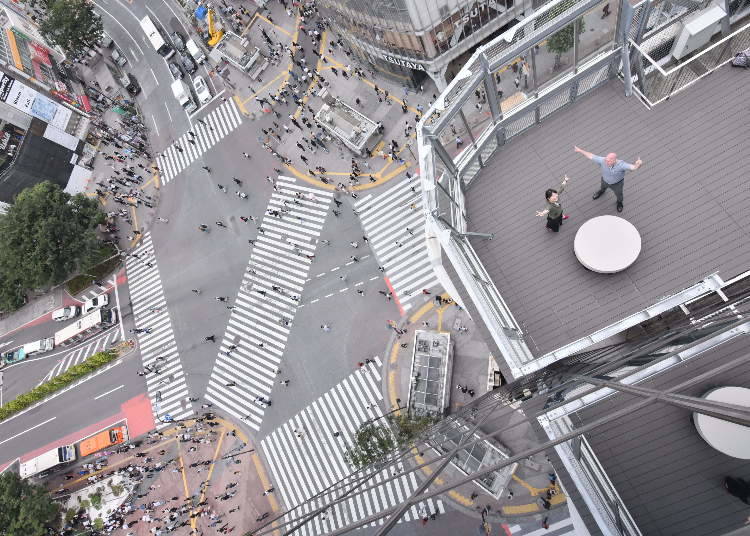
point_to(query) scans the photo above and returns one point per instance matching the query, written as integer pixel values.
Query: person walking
(554, 211)
(613, 173)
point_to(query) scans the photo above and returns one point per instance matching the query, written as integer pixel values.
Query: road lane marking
(108, 392)
(156, 126)
(28, 430)
(154, 75)
(121, 26)
(167, 108)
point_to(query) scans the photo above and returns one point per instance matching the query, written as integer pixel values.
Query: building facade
(408, 40)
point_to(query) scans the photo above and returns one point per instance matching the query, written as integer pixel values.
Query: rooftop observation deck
(690, 201)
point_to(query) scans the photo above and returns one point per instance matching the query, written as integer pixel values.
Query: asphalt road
(71, 410)
(165, 118)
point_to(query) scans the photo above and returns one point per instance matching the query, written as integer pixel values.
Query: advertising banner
(30, 101)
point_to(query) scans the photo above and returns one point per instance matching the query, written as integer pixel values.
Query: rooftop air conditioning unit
(697, 31)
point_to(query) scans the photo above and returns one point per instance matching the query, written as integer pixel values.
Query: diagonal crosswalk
(208, 130)
(304, 465)
(166, 383)
(267, 300)
(79, 354)
(394, 224)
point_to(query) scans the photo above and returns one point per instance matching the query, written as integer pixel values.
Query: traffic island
(438, 364)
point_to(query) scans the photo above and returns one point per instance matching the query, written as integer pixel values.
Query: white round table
(727, 437)
(607, 244)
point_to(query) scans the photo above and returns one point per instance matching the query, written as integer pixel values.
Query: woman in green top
(554, 211)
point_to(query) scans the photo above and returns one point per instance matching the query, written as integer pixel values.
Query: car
(201, 90)
(178, 41)
(129, 82)
(66, 313)
(177, 73)
(188, 63)
(94, 303)
(118, 57)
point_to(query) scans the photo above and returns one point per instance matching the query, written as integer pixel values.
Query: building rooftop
(667, 476)
(689, 202)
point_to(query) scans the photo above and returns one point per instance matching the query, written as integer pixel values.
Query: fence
(444, 206)
(660, 84)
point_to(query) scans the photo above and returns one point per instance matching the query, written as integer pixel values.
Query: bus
(51, 458)
(82, 327)
(102, 440)
(156, 38)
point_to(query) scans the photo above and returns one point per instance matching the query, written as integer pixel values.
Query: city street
(269, 313)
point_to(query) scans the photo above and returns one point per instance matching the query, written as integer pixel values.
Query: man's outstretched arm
(584, 153)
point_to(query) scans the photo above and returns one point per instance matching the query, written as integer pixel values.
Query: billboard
(30, 101)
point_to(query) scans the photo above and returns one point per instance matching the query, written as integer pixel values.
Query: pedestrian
(613, 173)
(554, 211)
(268, 491)
(245, 155)
(459, 142)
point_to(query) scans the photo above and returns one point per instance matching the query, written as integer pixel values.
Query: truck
(102, 440)
(42, 345)
(48, 460)
(182, 93)
(195, 52)
(14, 356)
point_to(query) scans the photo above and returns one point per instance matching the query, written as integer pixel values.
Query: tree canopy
(27, 509)
(562, 40)
(45, 236)
(71, 24)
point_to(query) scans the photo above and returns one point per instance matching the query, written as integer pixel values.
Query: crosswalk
(208, 130)
(260, 322)
(81, 353)
(166, 384)
(394, 224)
(303, 466)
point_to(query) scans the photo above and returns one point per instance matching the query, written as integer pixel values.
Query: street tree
(373, 442)
(71, 24)
(45, 236)
(562, 41)
(27, 509)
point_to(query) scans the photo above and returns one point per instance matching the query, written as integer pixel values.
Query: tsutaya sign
(404, 63)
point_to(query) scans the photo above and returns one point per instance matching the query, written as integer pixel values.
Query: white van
(66, 313)
(95, 303)
(195, 52)
(42, 345)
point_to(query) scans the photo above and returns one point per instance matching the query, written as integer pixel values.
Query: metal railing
(659, 84)
(447, 177)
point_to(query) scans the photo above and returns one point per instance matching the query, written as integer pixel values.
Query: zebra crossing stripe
(167, 389)
(302, 467)
(220, 122)
(82, 352)
(256, 323)
(403, 254)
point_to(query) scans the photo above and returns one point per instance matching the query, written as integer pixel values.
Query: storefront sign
(30, 101)
(404, 63)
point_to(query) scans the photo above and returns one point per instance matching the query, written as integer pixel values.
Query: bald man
(613, 173)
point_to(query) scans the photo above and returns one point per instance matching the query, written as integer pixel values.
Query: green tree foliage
(372, 443)
(26, 509)
(71, 24)
(44, 237)
(562, 41)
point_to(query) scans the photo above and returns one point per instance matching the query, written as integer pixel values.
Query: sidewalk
(287, 80)
(471, 364)
(198, 476)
